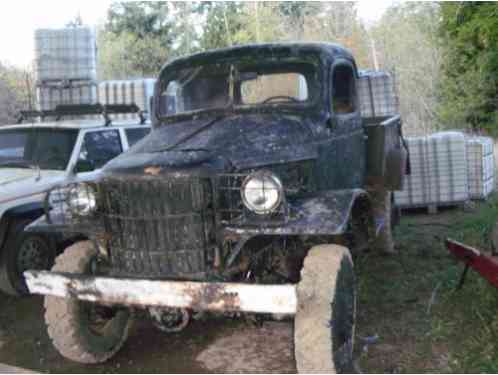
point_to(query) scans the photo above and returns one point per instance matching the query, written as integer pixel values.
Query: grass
(410, 300)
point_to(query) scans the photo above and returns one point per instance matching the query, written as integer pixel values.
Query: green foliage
(222, 20)
(406, 42)
(136, 40)
(16, 93)
(123, 56)
(140, 36)
(470, 38)
(140, 18)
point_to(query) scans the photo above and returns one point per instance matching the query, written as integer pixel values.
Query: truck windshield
(216, 86)
(46, 148)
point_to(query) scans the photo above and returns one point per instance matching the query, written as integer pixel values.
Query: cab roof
(327, 51)
(76, 124)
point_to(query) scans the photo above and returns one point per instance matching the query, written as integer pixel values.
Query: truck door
(347, 127)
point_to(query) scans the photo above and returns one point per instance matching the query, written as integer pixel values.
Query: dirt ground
(214, 345)
(397, 311)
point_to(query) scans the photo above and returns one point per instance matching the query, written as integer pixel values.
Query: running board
(266, 299)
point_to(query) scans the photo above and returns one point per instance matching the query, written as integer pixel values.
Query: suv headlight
(262, 192)
(82, 199)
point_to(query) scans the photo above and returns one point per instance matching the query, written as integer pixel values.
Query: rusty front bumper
(274, 299)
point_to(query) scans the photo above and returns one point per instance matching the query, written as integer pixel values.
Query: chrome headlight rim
(263, 175)
(81, 199)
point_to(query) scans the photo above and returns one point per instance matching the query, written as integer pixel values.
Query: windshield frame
(32, 132)
(314, 99)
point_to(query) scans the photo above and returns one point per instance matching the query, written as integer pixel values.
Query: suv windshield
(216, 86)
(47, 148)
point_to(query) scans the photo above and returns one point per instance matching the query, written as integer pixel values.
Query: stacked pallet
(481, 166)
(137, 91)
(439, 174)
(376, 94)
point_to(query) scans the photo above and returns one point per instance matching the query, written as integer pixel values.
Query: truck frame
(258, 181)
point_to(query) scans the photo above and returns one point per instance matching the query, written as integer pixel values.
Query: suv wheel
(81, 331)
(23, 251)
(325, 319)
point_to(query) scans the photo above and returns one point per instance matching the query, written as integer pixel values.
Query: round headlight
(262, 192)
(82, 199)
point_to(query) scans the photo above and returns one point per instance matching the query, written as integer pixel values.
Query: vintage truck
(258, 181)
(36, 156)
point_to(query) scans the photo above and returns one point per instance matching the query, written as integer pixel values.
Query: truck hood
(241, 141)
(18, 183)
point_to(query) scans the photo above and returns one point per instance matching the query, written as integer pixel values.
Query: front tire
(325, 318)
(70, 322)
(23, 251)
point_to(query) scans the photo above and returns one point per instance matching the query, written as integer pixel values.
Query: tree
(141, 18)
(470, 65)
(186, 38)
(296, 14)
(406, 43)
(16, 93)
(222, 21)
(136, 40)
(124, 56)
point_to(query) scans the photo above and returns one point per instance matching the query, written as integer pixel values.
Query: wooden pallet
(433, 209)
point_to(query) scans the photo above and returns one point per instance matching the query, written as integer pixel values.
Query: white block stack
(438, 171)
(50, 96)
(66, 67)
(481, 166)
(65, 54)
(137, 91)
(376, 94)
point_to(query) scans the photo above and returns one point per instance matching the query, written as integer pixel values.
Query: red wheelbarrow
(486, 265)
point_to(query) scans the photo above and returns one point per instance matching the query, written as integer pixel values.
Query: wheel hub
(32, 255)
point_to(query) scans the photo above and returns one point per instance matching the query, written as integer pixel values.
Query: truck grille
(158, 227)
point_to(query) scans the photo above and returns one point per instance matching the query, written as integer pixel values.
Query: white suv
(34, 158)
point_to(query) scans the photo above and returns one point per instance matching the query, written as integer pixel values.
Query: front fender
(326, 213)
(29, 211)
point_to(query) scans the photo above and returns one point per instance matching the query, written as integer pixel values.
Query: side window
(343, 90)
(134, 135)
(99, 147)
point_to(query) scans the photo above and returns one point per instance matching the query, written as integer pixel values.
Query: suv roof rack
(106, 110)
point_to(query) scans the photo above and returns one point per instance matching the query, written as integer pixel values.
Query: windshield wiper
(199, 130)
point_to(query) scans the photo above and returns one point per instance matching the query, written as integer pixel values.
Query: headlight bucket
(81, 199)
(262, 192)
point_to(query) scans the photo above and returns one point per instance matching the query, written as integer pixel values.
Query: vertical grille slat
(157, 225)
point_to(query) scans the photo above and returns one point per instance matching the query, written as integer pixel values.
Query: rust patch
(214, 297)
(153, 170)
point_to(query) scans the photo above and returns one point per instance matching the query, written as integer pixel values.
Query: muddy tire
(325, 318)
(69, 321)
(23, 251)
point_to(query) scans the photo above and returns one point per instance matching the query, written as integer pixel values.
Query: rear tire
(325, 318)
(69, 321)
(23, 251)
